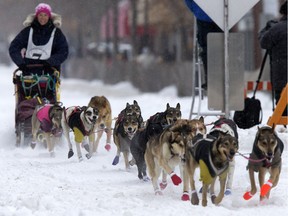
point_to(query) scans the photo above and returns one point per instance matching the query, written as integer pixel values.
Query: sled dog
(154, 126)
(82, 121)
(124, 130)
(212, 155)
(165, 151)
(104, 121)
(266, 156)
(48, 119)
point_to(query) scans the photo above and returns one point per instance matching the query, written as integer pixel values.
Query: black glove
(23, 67)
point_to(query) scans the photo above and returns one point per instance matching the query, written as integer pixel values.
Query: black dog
(154, 126)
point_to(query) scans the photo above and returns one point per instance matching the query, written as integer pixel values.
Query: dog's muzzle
(231, 155)
(269, 156)
(93, 119)
(130, 132)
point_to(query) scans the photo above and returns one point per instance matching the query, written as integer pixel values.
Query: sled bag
(251, 115)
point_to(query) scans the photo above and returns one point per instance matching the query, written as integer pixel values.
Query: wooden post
(277, 118)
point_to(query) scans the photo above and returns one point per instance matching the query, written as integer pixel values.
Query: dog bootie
(116, 160)
(175, 179)
(70, 153)
(185, 196)
(228, 192)
(247, 195)
(108, 147)
(32, 145)
(266, 187)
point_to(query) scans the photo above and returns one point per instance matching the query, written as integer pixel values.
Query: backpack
(251, 115)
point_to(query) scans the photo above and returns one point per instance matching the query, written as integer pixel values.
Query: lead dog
(48, 118)
(266, 156)
(154, 126)
(212, 155)
(82, 121)
(165, 151)
(104, 121)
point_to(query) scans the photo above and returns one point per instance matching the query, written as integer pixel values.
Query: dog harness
(76, 124)
(42, 52)
(225, 126)
(258, 154)
(44, 118)
(201, 152)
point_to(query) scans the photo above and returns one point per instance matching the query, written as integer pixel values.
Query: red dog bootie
(107, 147)
(175, 178)
(185, 196)
(266, 187)
(247, 195)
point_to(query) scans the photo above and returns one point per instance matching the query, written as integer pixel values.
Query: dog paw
(88, 156)
(80, 158)
(158, 192)
(52, 154)
(185, 196)
(194, 198)
(70, 153)
(175, 179)
(116, 160)
(132, 162)
(32, 145)
(213, 197)
(108, 147)
(263, 201)
(146, 178)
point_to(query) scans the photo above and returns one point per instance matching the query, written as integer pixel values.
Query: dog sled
(31, 91)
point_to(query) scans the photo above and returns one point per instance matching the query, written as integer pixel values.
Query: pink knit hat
(42, 7)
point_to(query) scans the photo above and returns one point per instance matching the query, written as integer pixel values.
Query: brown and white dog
(47, 118)
(266, 156)
(166, 151)
(104, 121)
(82, 121)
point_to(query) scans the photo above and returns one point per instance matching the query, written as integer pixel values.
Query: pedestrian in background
(273, 38)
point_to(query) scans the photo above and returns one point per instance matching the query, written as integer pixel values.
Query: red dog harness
(43, 117)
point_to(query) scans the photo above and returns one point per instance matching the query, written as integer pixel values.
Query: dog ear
(84, 108)
(167, 106)
(135, 102)
(201, 119)
(127, 104)
(178, 106)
